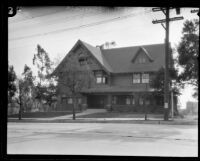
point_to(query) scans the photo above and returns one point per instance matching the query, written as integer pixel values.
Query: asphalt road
(102, 139)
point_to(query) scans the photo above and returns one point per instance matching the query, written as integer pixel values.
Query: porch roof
(114, 89)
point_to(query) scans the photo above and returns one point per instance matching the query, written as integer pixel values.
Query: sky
(57, 29)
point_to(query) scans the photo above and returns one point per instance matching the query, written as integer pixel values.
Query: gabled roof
(119, 60)
(144, 51)
(95, 52)
(98, 55)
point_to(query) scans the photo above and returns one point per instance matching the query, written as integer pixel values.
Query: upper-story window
(136, 78)
(145, 78)
(100, 78)
(141, 78)
(82, 61)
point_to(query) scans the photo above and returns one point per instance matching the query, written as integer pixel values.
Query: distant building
(192, 107)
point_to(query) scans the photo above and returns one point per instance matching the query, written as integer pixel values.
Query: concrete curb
(170, 122)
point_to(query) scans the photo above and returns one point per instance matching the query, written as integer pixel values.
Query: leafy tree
(11, 83)
(45, 88)
(188, 53)
(42, 61)
(75, 78)
(28, 89)
(158, 81)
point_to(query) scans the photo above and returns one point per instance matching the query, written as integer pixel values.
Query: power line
(77, 27)
(69, 18)
(21, 12)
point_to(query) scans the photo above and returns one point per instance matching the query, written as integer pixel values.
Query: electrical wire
(81, 26)
(68, 18)
(24, 20)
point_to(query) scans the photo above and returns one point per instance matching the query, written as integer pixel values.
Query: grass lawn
(119, 115)
(41, 114)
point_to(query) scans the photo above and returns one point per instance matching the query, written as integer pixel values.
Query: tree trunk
(20, 108)
(74, 107)
(20, 112)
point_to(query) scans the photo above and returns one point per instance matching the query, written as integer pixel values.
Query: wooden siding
(127, 80)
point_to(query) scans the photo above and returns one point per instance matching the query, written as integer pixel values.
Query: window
(147, 102)
(145, 78)
(83, 61)
(114, 100)
(69, 101)
(141, 101)
(136, 78)
(128, 100)
(79, 100)
(133, 100)
(142, 60)
(121, 100)
(100, 78)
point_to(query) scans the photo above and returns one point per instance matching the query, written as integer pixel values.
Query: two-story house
(122, 78)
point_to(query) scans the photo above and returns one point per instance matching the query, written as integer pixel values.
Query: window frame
(145, 79)
(138, 79)
(102, 77)
(139, 101)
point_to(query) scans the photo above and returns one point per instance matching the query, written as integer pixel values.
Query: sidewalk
(68, 119)
(109, 120)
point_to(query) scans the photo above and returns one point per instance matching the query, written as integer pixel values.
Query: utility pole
(166, 27)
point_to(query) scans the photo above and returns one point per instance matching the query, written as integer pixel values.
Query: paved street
(102, 139)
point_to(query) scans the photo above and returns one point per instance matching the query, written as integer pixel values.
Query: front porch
(138, 102)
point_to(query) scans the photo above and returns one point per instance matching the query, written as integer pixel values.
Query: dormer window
(142, 56)
(141, 60)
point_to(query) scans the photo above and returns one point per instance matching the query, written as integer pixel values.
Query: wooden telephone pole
(166, 27)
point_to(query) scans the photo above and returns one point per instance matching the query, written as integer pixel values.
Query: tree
(75, 78)
(45, 88)
(11, 83)
(20, 96)
(188, 53)
(158, 81)
(28, 83)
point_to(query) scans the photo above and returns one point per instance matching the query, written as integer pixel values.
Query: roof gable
(144, 51)
(93, 51)
(120, 58)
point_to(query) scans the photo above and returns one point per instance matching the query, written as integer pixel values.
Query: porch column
(109, 102)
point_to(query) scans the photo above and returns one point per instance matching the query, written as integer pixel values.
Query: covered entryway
(96, 101)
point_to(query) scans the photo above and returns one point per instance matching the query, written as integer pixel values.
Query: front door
(96, 101)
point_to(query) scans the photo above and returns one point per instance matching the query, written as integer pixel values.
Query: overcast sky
(57, 29)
